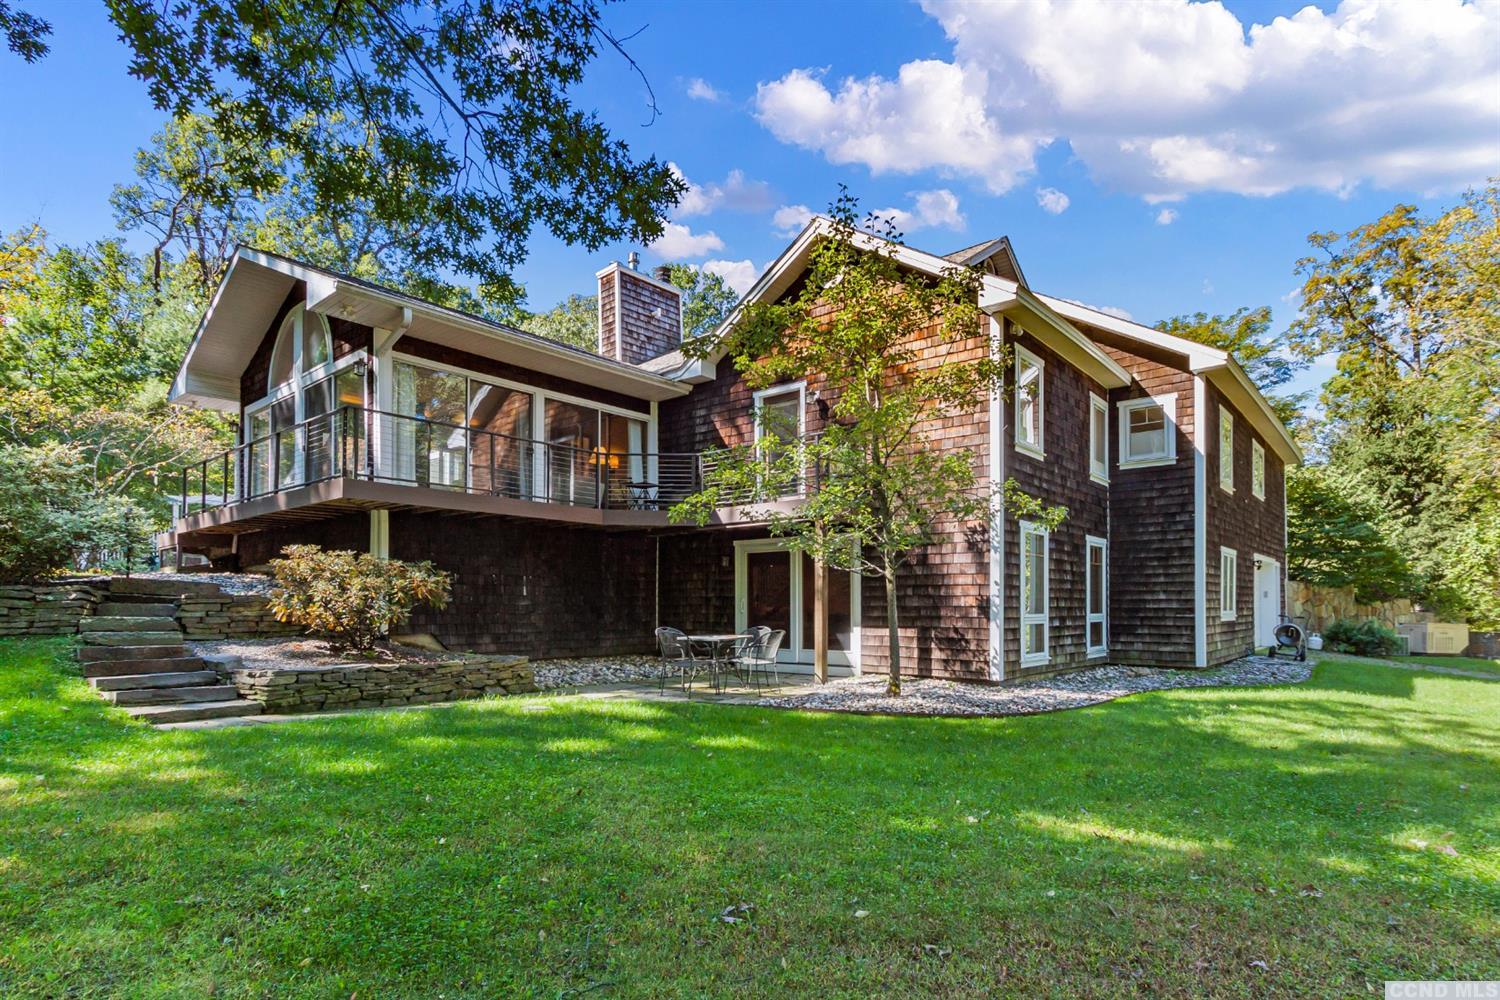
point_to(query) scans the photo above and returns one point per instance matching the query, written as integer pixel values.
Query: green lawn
(1478, 665)
(1307, 840)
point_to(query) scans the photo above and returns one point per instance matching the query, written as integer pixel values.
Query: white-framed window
(1226, 449)
(1148, 431)
(1096, 599)
(1257, 470)
(1034, 585)
(1030, 389)
(284, 447)
(1098, 439)
(1229, 567)
(781, 422)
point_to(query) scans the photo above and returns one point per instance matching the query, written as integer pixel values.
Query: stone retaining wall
(1322, 606)
(230, 616)
(314, 689)
(46, 609)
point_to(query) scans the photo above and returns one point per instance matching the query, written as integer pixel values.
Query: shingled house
(541, 475)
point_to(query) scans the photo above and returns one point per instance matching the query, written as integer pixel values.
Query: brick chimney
(640, 316)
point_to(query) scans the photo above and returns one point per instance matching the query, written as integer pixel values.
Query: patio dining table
(721, 647)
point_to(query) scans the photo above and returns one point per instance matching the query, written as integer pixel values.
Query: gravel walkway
(230, 583)
(583, 671)
(1073, 690)
(291, 653)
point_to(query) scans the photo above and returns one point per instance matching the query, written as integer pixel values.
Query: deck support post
(820, 620)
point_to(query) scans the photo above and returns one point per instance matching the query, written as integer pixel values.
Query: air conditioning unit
(1443, 638)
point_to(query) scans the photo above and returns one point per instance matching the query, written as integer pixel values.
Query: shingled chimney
(640, 316)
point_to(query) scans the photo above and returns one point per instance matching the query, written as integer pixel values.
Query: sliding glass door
(774, 588)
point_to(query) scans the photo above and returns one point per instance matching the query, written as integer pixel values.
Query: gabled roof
(997, 256)
(998, 296)
(256, 283)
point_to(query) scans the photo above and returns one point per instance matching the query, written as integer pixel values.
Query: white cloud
(737, 274)
(789, 219)
(1170, 97)
(1115, 311)
(932, 116)
(1052, 200)
(1166, 217)
(1208, 287)
(735, 193)
(700, 89)
(678, 242)
(929, 210)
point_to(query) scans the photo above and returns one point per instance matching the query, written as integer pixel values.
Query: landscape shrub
(40, 522)
(351, 598)
(1367, 638)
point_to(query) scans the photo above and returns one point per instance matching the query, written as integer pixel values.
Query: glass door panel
(431, 449)
(768, 591)
(502, 457)
(572, 434)
(840, 618)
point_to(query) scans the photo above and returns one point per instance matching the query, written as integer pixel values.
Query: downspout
(997, 514)
(1200, 527)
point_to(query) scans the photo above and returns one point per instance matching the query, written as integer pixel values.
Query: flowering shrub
(351, 597)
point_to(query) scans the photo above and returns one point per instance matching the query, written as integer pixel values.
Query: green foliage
(1366, 638)
(25, 33)
(1245, 333)
(449, 124)
(1411, 308)
(573, 321)
(869, 475)
(706, 300)
(1333, 542)
(353, 598)
(50, 521)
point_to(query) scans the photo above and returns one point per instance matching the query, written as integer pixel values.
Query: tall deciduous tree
(573, 321)
(450, 121)
(871, 490)
(1245, 333)
(706, 299)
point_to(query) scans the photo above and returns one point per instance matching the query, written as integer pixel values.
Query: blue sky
(1193, 151)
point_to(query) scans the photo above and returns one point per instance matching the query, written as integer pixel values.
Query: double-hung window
(1229, 566)
(1096, 601)
(1034, 647)
(1226, 449)
(1098, 439)
(1257, 470)
(1030, 403)
(1148, 431)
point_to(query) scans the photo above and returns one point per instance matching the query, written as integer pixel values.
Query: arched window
(282, 354)
(317, 346)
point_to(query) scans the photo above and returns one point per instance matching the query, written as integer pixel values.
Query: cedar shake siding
(1151, 586)
(607, 284)
(640, 318)
(1061, 477)
(1241, 522)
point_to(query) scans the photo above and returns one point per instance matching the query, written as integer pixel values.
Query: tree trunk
(820, 620)
(893, 686)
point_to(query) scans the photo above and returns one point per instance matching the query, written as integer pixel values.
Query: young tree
(873, 491)
(452, 121)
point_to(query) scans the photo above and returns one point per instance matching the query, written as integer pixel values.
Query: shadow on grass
(394, 844)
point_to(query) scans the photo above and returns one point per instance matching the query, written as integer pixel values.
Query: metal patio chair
(759, 658)
(678, 652)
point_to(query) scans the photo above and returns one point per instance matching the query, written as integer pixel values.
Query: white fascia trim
(1289, 451)
(1197, 354)
(182, 385)
(1200, 528)
(997, 514)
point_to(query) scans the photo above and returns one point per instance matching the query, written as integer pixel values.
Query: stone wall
(1322, 606)
(230, 616)
(46, 609)
(315, 689)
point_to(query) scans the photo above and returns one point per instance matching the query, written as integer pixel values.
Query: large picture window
(1034, 638)
(1148, 431)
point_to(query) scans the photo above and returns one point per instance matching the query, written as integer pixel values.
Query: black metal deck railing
(362, 443)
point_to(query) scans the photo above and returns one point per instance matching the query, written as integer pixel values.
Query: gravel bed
(261, 654)
(230, 583)
(1072, 690)
(585, 670)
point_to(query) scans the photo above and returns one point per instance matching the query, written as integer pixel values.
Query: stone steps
(135, 639)
(163, 588)
(198, 694)
(104, 654)
(126, 609)
(126, 668)
(159, 714)
(158, 679)
(126, 623)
